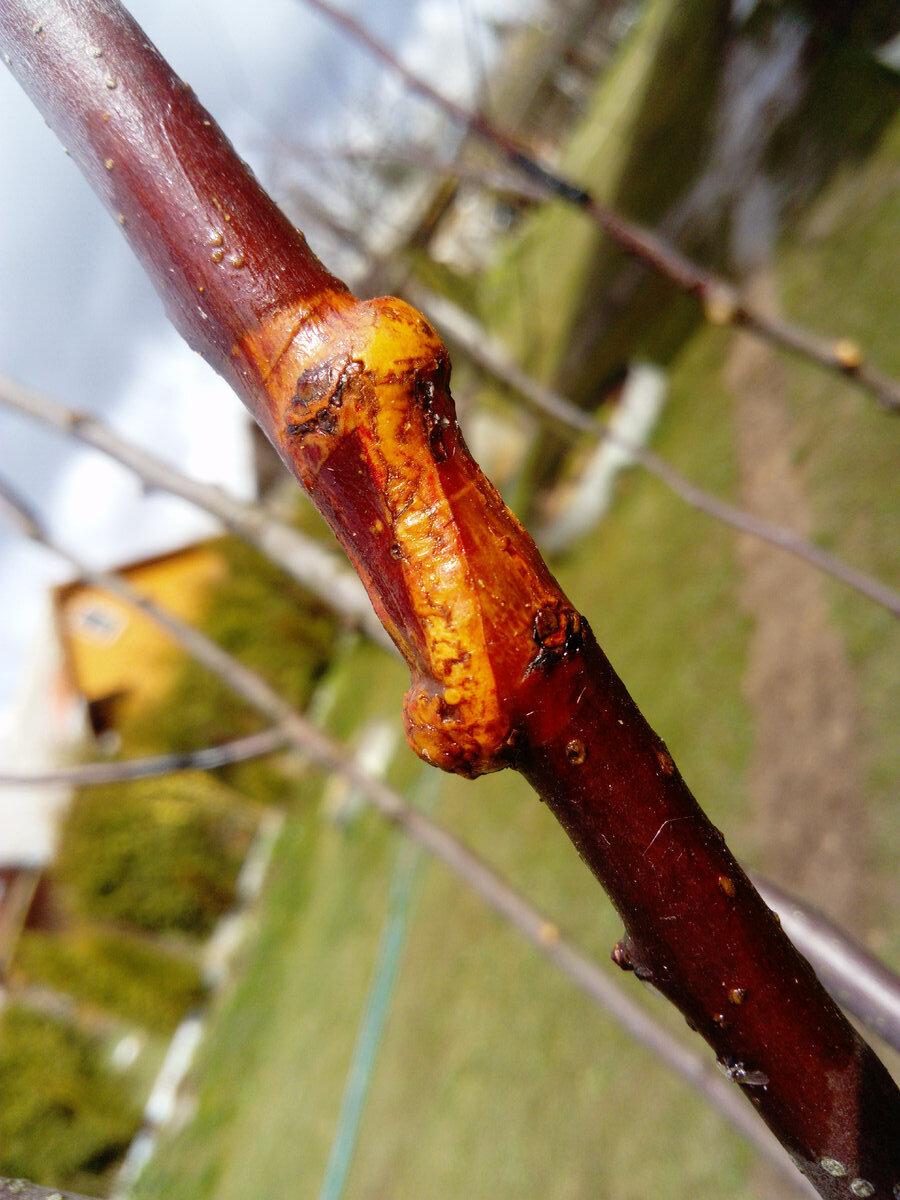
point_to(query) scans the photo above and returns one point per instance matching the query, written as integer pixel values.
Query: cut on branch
(505, 670)
(536, 927)
(862, 985)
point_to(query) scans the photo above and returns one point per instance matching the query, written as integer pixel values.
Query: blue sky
(78, 319)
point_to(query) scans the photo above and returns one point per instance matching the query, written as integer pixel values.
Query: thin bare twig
(420, 158)
(514, 908)
(721, 302)
(318, 570)
(256, 745)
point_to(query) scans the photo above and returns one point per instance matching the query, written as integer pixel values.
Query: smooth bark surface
(505, 671)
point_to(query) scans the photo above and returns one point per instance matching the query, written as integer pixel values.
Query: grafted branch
(463, 332)
(862, 985)
(319, 571)
(533, 925)
(505, 670)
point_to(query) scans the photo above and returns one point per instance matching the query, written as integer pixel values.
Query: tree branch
(502, 182)
(505, 670)
(538, 929)
(721, 302)
(319, 571)
(256, 745)
(861, 984)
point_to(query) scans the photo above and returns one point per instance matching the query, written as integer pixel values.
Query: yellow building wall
(113, 648)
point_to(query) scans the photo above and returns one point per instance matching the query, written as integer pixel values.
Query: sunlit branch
(514, 908)
(864, 986)
(468, 335)
(320, 571)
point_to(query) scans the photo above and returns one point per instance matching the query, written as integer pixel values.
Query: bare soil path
(808, 818)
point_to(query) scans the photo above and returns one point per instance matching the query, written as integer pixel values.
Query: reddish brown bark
(698, 931)
(505, 672)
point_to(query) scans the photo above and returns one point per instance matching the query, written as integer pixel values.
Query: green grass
(272, 1070)
(495, 1077)
(64, 1118)
(498, 1078)
(133, 980)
